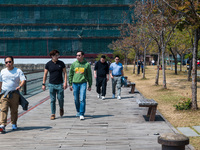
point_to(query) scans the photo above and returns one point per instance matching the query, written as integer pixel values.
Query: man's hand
(89, 89)
(43, 87)
(65, 86)
(18, 88)
(70, 87)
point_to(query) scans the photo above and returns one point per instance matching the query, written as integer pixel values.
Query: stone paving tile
(187, 131)
(197, 128)
(109, 124)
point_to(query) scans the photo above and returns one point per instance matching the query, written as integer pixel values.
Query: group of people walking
(79, 80)
(79, 75)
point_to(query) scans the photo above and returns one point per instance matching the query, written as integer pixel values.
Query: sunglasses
(78, 55)
(8, 62)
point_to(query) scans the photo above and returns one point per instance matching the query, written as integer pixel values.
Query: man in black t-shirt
(56, 68)
(101, 73)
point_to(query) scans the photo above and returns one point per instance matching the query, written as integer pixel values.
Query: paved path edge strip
(30, 108)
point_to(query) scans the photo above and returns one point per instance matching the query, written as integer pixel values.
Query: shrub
(184, 104)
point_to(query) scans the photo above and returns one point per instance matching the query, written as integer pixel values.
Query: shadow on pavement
(34, 128)
(88, 116)
(157, 118)
(108, 98)
(41, 128)
(97, 116)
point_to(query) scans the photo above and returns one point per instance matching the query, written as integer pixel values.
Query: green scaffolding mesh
(67, 15)
(35, 27)
(43, 47)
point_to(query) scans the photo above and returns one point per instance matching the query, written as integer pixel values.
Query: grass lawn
(177, 88)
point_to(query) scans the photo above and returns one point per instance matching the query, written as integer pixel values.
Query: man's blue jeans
(80, 96)
(53, 90)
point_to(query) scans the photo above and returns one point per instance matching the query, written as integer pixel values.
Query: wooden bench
(130, 84)
(152, 104)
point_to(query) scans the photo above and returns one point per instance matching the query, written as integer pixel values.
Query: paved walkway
(109, 124)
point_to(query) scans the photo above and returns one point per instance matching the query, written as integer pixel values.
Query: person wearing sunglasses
(56, 85)
(116, 73)
(80, 73)
(11, 81)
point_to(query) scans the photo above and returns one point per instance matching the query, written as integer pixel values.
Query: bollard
(172, 141)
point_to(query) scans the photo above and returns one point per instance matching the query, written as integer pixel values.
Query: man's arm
(95, 74)
(71, 73)
(65, 78)
(107, 77)
(107, 72)
(95, 70)
(89, 74)
(111, 74)
(44, 79)
(110, 70)
(21, 84)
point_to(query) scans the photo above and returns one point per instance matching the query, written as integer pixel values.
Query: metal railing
(33, 83)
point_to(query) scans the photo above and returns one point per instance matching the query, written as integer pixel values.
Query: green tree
(190, 12)
(161, 22)
(179, 45)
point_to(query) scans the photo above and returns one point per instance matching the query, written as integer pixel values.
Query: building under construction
(32, 28)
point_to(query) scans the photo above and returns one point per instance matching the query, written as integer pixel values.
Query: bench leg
(132, 89)
(149, 112)
(152, 113)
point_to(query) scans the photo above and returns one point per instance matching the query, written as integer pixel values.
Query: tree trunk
(163, 68)
(190, 69)
(171, 64)
(137, 65)
(144, 62)
(181, 62)
(194, 70)
(134, 65)
(158, 69)
(175, 61)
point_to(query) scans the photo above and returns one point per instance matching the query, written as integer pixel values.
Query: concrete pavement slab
(187, 131)
(197, 128)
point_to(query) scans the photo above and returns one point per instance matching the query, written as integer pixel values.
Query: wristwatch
(43, 84)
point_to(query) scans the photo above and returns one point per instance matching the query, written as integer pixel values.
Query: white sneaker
(103, 97)
(118, 97)
(98, 96)
(82, 118)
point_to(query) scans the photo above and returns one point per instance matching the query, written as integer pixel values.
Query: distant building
(34, 27)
